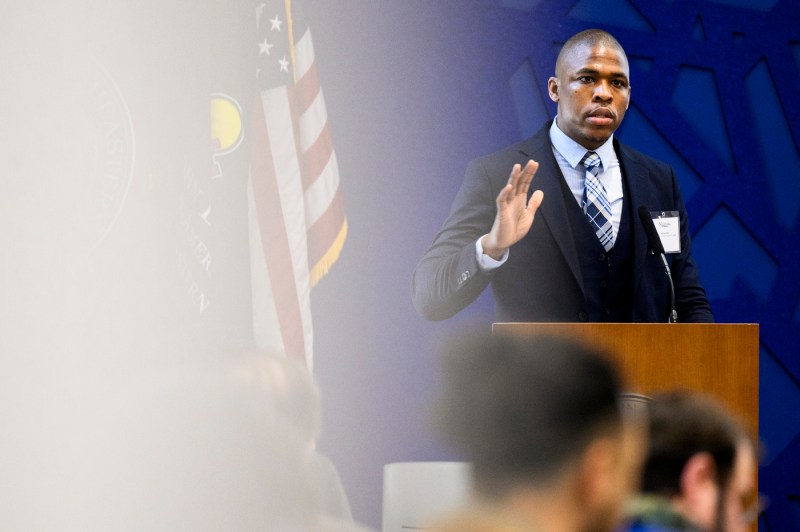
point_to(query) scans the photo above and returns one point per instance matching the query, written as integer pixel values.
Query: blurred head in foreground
(540, 422)
(700, 468)
(209, 445)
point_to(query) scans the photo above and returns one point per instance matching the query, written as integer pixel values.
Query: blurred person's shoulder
(482, 519)
(649, 513)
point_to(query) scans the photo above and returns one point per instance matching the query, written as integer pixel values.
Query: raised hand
(514, 212)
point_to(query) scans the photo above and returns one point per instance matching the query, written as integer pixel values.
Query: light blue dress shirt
(568, 155)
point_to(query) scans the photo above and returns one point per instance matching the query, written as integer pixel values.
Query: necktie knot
(591, 161)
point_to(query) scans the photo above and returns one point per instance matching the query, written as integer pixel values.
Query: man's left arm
(691, 302)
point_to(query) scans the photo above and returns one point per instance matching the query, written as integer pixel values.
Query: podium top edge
(571, 326)
(650, 324)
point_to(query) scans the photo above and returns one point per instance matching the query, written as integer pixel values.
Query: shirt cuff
(486, 262)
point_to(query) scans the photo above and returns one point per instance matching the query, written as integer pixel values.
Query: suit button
(583, 316)
(603, 283)
(601, 257)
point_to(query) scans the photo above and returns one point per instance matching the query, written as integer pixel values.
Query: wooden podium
(718, 359)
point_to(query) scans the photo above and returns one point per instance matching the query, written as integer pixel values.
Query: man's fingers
(516, 171)
(535, 201)
(505, 195)
(521, 177)
(526, 176)
(518, 182)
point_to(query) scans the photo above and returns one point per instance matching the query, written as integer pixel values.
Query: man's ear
(552, 88)
(699, 489)
(698, 471)
(598, 471)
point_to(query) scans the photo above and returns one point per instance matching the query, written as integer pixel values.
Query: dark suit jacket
(541, 281)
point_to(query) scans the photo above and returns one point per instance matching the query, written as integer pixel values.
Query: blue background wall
(415, 89)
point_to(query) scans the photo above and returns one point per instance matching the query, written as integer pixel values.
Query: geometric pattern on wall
(775, 143)
(746, 255)
(696, 98)
(716, 94)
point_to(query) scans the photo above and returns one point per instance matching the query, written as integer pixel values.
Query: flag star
(284, 64)
(276, 23)
(259, 12)
(263, 47)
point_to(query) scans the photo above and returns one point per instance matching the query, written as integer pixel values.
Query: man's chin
(599, 135)
(594, 141)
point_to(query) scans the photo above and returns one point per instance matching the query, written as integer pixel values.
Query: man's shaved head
(590, 38)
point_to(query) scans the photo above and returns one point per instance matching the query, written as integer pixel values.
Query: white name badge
(668, 227)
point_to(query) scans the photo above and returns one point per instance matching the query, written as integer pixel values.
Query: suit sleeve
(448, 277)
(691, 302)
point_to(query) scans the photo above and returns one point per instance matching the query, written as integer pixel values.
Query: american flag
(297, 220)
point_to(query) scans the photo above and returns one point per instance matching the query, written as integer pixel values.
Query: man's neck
(545, 509)
(571, 150)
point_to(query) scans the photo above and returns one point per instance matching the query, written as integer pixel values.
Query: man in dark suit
(586, 258)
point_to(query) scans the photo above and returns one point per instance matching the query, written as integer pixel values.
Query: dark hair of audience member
(682, 425)
(522, 409)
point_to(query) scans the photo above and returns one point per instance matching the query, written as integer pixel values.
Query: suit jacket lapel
(635, 175)
(553, 210)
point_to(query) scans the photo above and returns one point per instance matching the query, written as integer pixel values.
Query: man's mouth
(601, 117)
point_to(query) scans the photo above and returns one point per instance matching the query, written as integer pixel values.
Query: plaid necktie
(595, 202)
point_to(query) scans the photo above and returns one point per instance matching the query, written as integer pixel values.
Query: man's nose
(602, 90)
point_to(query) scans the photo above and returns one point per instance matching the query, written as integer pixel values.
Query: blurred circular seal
(112, 152)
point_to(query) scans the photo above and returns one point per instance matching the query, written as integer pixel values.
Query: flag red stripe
(325, 230)
(307, 88)
(275, 242)
(319, 153)
(295, 112)
(316, 157)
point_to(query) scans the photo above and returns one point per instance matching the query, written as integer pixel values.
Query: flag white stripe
(266, 328)
(312, 122)
(278, 118)
(320, 194)
(304, 54)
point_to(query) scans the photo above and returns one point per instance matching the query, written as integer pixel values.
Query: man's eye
(619, 83)
(586, 79)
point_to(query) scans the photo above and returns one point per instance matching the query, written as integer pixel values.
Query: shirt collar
(574, 152)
